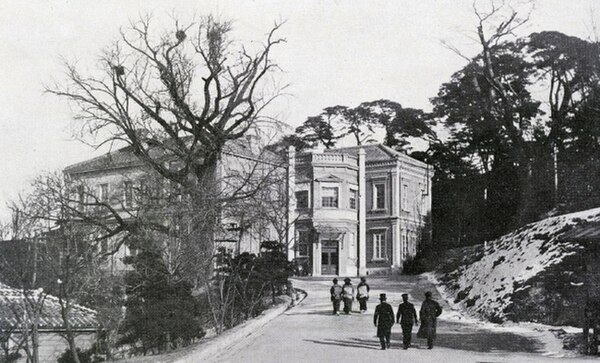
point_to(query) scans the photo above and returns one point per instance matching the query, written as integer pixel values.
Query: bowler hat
(428, 294)
(347, 279)
(382, 297)
(404, 295)
(334, 280)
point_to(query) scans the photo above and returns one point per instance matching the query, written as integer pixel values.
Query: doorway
(329, 257)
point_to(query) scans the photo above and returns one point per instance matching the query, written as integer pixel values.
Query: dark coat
(383, 319)
(430, 310)
(407, 315)
(335, 297)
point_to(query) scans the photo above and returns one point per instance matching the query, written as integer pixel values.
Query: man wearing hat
(384, 320)
(430, 310)
(348, 295)
(336, 296)
(407, 317)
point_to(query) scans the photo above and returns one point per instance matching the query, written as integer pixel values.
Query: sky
(337, 53)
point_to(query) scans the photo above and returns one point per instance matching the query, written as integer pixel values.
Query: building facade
(349, 211)
(125, 183)
(357, 210)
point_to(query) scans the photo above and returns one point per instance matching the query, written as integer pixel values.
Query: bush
(415, 265)
(86, 356)
(10, 358)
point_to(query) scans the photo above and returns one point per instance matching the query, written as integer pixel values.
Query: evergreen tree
(161, 313)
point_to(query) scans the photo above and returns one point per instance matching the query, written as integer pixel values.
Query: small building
(358, 210)
(14, 319)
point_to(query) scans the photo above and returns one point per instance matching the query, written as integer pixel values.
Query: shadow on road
(313, 312)
(482, 341)
(353, 343)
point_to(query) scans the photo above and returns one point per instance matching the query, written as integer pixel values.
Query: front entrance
(329, 257)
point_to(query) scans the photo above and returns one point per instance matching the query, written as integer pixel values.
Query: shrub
(415, 265)
(86, 356)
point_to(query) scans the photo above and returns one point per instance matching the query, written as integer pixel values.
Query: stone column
(316, 261)
(291, 205)
(362, 214)
(396, 240)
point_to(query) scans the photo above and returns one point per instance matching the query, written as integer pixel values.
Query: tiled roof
(124, 157)
(12, 302)
(116, 159)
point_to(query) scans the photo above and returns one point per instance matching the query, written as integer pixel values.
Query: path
(310, 333)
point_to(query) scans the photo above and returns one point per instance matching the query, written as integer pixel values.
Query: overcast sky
(337, 52)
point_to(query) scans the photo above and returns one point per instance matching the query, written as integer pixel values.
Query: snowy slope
(486, 280)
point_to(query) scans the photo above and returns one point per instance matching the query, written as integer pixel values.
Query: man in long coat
(407, 317)
(384, 320)
(430, 310)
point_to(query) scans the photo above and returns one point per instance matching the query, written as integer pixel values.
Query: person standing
(362, 294)
(348, 295)
(407, 317)
(384, 320)
(430, 310)
(336, 296)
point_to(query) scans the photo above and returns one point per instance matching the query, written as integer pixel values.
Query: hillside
(530, 274)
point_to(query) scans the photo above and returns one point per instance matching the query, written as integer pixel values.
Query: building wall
(395, 216)
(53, 345)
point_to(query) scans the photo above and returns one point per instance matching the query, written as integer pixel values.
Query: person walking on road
(430, 310)
(336, 296)
(407, 317)
(362, 294)
(384, 320)
(348, 295)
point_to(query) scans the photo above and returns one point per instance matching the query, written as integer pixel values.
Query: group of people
(384, 318)
(345, 293)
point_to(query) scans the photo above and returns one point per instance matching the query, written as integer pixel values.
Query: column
(291, 205)
(362, 214)
(316, 261)
(396, 240)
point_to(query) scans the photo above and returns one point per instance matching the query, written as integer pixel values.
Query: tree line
(506, 135)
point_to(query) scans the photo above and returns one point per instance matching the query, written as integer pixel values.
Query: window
(104, 246)
(404, 245)
(103, 192)
(422, 205)
(302, 199)
(81, 195)
(128, 193)
(329, 197)
(379, 196)
(405, 197)
(303, 243)
(378, 246)
(353, 198)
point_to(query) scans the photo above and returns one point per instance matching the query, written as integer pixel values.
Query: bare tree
(177, 97)
(181, 94)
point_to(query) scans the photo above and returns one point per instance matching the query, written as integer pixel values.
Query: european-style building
(350, 211)
(358, 210)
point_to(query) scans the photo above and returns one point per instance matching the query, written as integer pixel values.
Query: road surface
(310, 332)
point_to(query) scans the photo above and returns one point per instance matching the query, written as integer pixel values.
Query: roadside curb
(232, 337)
